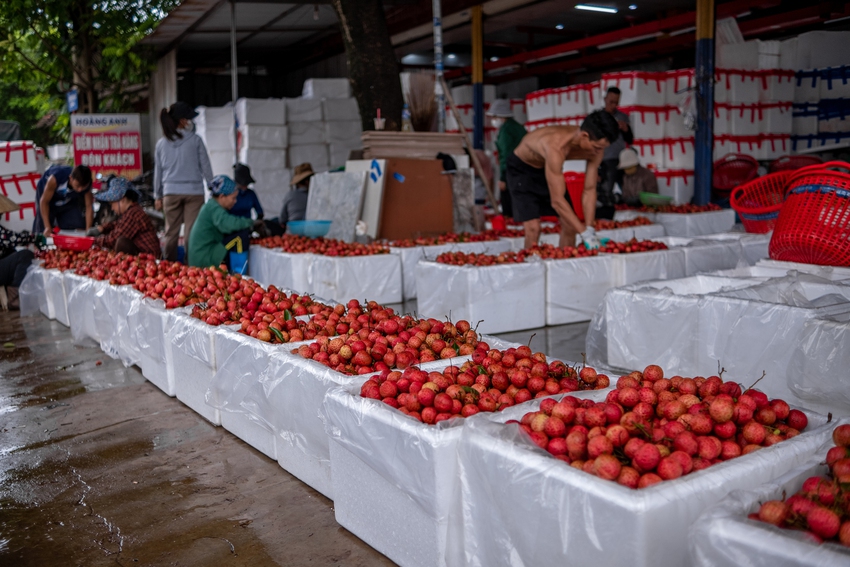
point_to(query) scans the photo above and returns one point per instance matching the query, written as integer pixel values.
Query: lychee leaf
(287, 315)
(277, 334)
(482, 370)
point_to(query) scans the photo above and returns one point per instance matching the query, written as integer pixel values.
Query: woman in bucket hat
(213, 222)
(637, 178)
(133, 232)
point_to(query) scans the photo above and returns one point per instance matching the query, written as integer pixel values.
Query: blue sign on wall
(73, 100)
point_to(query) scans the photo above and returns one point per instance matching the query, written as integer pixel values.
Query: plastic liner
(522, 507)
(834, 273)
(113, 309)
(148, 328)
(507, 297)
(193, 357)
(707, 255)
(54, 288)
(696, 325)
(819, 369)
(643, 232)
(411, 256)
(81, 292)
(395, 479)
(375, 278)
(31, 291)
(723, 536)
(755, 246)
(696, 224)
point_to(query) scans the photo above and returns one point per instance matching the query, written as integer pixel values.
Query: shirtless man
(536, 180)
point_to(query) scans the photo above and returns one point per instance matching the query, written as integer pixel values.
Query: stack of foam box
(216, 127)
(19, 175)
(306, 134)
(324, 124)
(343, 129)
(520, 506)
(463, 99)
(749, 320)
(821, 107)
(564, 106)
(263, 139)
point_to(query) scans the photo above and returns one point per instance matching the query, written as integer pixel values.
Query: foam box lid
(552, 511)
(411, 256)
(193, 336)
(724, 536)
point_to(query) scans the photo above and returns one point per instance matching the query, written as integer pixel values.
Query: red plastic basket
(733, 170)
(758, 202)
(793, 163)
(68, 242)
(814, 224)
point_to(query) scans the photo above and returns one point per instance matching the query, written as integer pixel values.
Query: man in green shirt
(510, 135)
(213, 222)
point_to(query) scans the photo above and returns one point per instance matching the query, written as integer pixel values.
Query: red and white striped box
(736, 86)
(753, 119)
(648, 122)
(540, 105)
(676, 183)
(17, 158)
(675, 125)
(20, 188)
(679, 153)
(748, 145)
(678, 82)
(570, 101)
(777, 85)
(638, 88)
(775, 145)
(651, 152)
(19, 220)
(518, 108)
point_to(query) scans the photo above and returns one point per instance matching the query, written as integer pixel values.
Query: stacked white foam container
(263, 139)
(324, 124)
(342, 129)
(215, 126)
(19, 174)
(463, 99)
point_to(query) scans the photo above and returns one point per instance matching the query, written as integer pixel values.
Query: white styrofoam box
(303, 110)
(750, 55)
(81, 291)
(281, 269)
(157, 366)
(338, 152)
(114, 307)
(818, 367)
(523, 507)
(722, 120)
(570, 101)
(193, 356)
(749, 145)
(807, 86)
(678, 82)
(667, 264)
(638, 88)
(507, 297)
(214, 118)
(835, 82)
(775, 145)
(753, 246)
(674, 126)
(222, 162)
(630, 214)
(340, 109)
(376, 277)
(20, 188)
(834, 125)
(678, 153)
(303, 133)
(54, 288)
(706, 255)
(676, 183)
(258, 137)
(742, 119)
(788, 54)
(463, 94)
(736, 85)
(724, 536)
(540, 105)
(804, 124)
(268, 111)
(575, 288)
(651, 152)
(271, 181)
(60, 152)
(19, 220)
(410, 257)
(217, 140)
(17, 158)
(348, 131)
(641, 232)
(696, 224)
(314, 154)
(326, 88)
(263, 159)
(647, 122)
(518, 108)
(467, 116)
(778, 118)
(35, 288)
(834, 273)
(777, 85)
(819, 49)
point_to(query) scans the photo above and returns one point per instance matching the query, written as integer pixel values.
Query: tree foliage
(48, 47)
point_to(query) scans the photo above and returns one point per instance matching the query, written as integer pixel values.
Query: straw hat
(7, 205)
(302, 172)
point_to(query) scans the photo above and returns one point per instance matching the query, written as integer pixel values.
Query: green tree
(48, 47)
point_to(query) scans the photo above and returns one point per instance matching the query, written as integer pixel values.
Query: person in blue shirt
(246, 201)
(64, 199)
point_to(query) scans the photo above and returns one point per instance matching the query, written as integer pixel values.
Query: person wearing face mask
(510, 134)
(609, 173)
(213, 222)
(180, 169)
(536, 178)
(133, 232)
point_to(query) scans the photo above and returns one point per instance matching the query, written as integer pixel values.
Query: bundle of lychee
(549, 252)
(492, 381)
(605, 224)
(394, 342)
(633, 245)
(448, 238)
(325, 246)
(473, 259)
(651, 428)
(822, 506)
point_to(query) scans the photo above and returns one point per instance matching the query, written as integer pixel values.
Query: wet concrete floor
(99, 467)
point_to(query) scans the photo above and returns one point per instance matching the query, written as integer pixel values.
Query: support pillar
(478, 77)
(438, 66)
(234, 78)
(704, 76)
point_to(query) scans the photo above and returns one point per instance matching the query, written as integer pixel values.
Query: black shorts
(530, 197)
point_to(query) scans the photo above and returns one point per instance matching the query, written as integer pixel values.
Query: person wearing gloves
(14, 262)
(133, 232)
(213, 222)
(536, 180)
(64, 200)
(181, 165)
(510, 134)
(637, 178)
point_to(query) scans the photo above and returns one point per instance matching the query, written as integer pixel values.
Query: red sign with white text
(110, 144)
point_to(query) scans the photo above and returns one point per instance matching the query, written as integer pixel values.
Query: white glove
(589, 238)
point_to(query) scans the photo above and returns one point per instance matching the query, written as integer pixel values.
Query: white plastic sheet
(112, 307)
(31, 291)
(819, 369)
(723, 536)
(522, 507)
(55, 289)
(696, 224)
(82, 294)
(507, 297)
(754, 246)
(149, 323)
(706, 254)
(193, 356)
(376, 277)
(834, 273)
(411, 256)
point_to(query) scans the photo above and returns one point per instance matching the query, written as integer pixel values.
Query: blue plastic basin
(311, 228)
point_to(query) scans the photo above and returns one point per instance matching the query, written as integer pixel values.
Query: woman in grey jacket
(180, 168)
